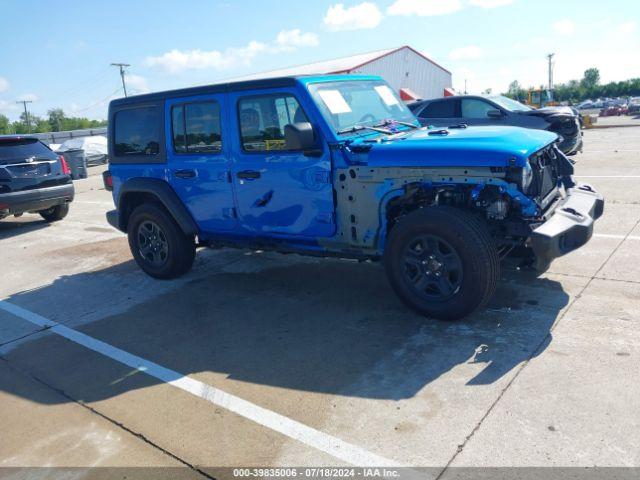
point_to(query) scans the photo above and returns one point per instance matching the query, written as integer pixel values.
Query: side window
(439, 109)
(474, 108)
(137, 131)
(262, 121)
(196, 127)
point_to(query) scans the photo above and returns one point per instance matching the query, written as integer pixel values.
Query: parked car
(500, 110)
(586, 105)
(634, 106)
(338, 166)
(612, 110)
(33, 179)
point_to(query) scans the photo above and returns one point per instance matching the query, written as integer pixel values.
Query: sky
(58, 54)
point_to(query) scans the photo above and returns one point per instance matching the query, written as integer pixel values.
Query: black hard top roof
(205, 89)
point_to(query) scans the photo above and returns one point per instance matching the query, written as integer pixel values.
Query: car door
(278, 191)
(198, 156)
(440, 113)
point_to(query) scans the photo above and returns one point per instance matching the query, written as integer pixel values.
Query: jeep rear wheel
(442, 262)
(157, 243)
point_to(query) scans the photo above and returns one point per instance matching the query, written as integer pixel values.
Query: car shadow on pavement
(12, 227)
(325, 326)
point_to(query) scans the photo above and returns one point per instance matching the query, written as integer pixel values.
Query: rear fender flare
(164, 194)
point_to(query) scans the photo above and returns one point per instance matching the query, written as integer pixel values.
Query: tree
(516, 91)
(591, 78)
(56, 119)
(5, 125)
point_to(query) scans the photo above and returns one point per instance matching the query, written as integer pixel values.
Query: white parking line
(298, 431)
(619, 237)
(607, 176)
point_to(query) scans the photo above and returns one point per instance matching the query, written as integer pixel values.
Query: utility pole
(26, 113)
(550, 59)
(122, 65)
(465, 86)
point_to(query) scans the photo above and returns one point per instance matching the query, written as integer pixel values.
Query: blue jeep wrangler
(338, 166)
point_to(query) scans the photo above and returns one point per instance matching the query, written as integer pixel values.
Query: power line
(26, 113)
(122, 65)
(99, 102)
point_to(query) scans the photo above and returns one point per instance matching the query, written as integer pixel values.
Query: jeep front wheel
(157, 243)
(442, 262)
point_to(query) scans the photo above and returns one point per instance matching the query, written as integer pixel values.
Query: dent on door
(295, 197)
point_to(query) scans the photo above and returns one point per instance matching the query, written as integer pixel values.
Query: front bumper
(569, 227)
(36, 199)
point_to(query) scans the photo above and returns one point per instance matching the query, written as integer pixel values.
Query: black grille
(545, 174)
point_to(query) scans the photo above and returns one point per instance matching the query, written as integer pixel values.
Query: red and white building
(408, 71)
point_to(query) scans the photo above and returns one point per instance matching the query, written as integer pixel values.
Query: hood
(468, 147)
(548, 112)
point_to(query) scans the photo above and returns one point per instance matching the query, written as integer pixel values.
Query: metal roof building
(408, 71)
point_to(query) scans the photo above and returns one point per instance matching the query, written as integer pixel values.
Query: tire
(157, 243)
(55, 214)
(442, 262)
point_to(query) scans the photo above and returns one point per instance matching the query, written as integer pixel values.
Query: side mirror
(299, 136)
(495, 113)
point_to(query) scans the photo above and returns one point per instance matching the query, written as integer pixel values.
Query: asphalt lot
(261, 359)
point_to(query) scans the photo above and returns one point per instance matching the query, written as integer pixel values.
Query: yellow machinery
(540, 97)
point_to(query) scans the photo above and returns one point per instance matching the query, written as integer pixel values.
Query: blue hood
(468, 147)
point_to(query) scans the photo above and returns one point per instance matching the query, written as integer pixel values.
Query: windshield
(509, 104)
(360, 103)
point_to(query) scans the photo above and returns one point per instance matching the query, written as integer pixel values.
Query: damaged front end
(564, 122)
(566, 211)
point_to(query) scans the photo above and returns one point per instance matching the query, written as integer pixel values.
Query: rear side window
(197, 128)
(439, 109)
(262, 121)
(19, 149)
(137, 131)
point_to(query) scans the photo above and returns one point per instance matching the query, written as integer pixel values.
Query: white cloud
(6, 105)
(424, 8)
(29, 97)
(177, 61)
(363, 16)
(490, 3)
(292, 39)
(4, 84)
(626, 28)
(470, 52)
(564, 27)
(137, 83)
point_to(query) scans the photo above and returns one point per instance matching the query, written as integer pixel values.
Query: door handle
(248, 175)
(185, 173)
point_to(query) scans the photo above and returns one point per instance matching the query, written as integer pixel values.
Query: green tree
(516, 91)
(5, 125)
(591, 78)
(56, 119)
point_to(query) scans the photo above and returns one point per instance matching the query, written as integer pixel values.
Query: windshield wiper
(386, 123)
(358, 128)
